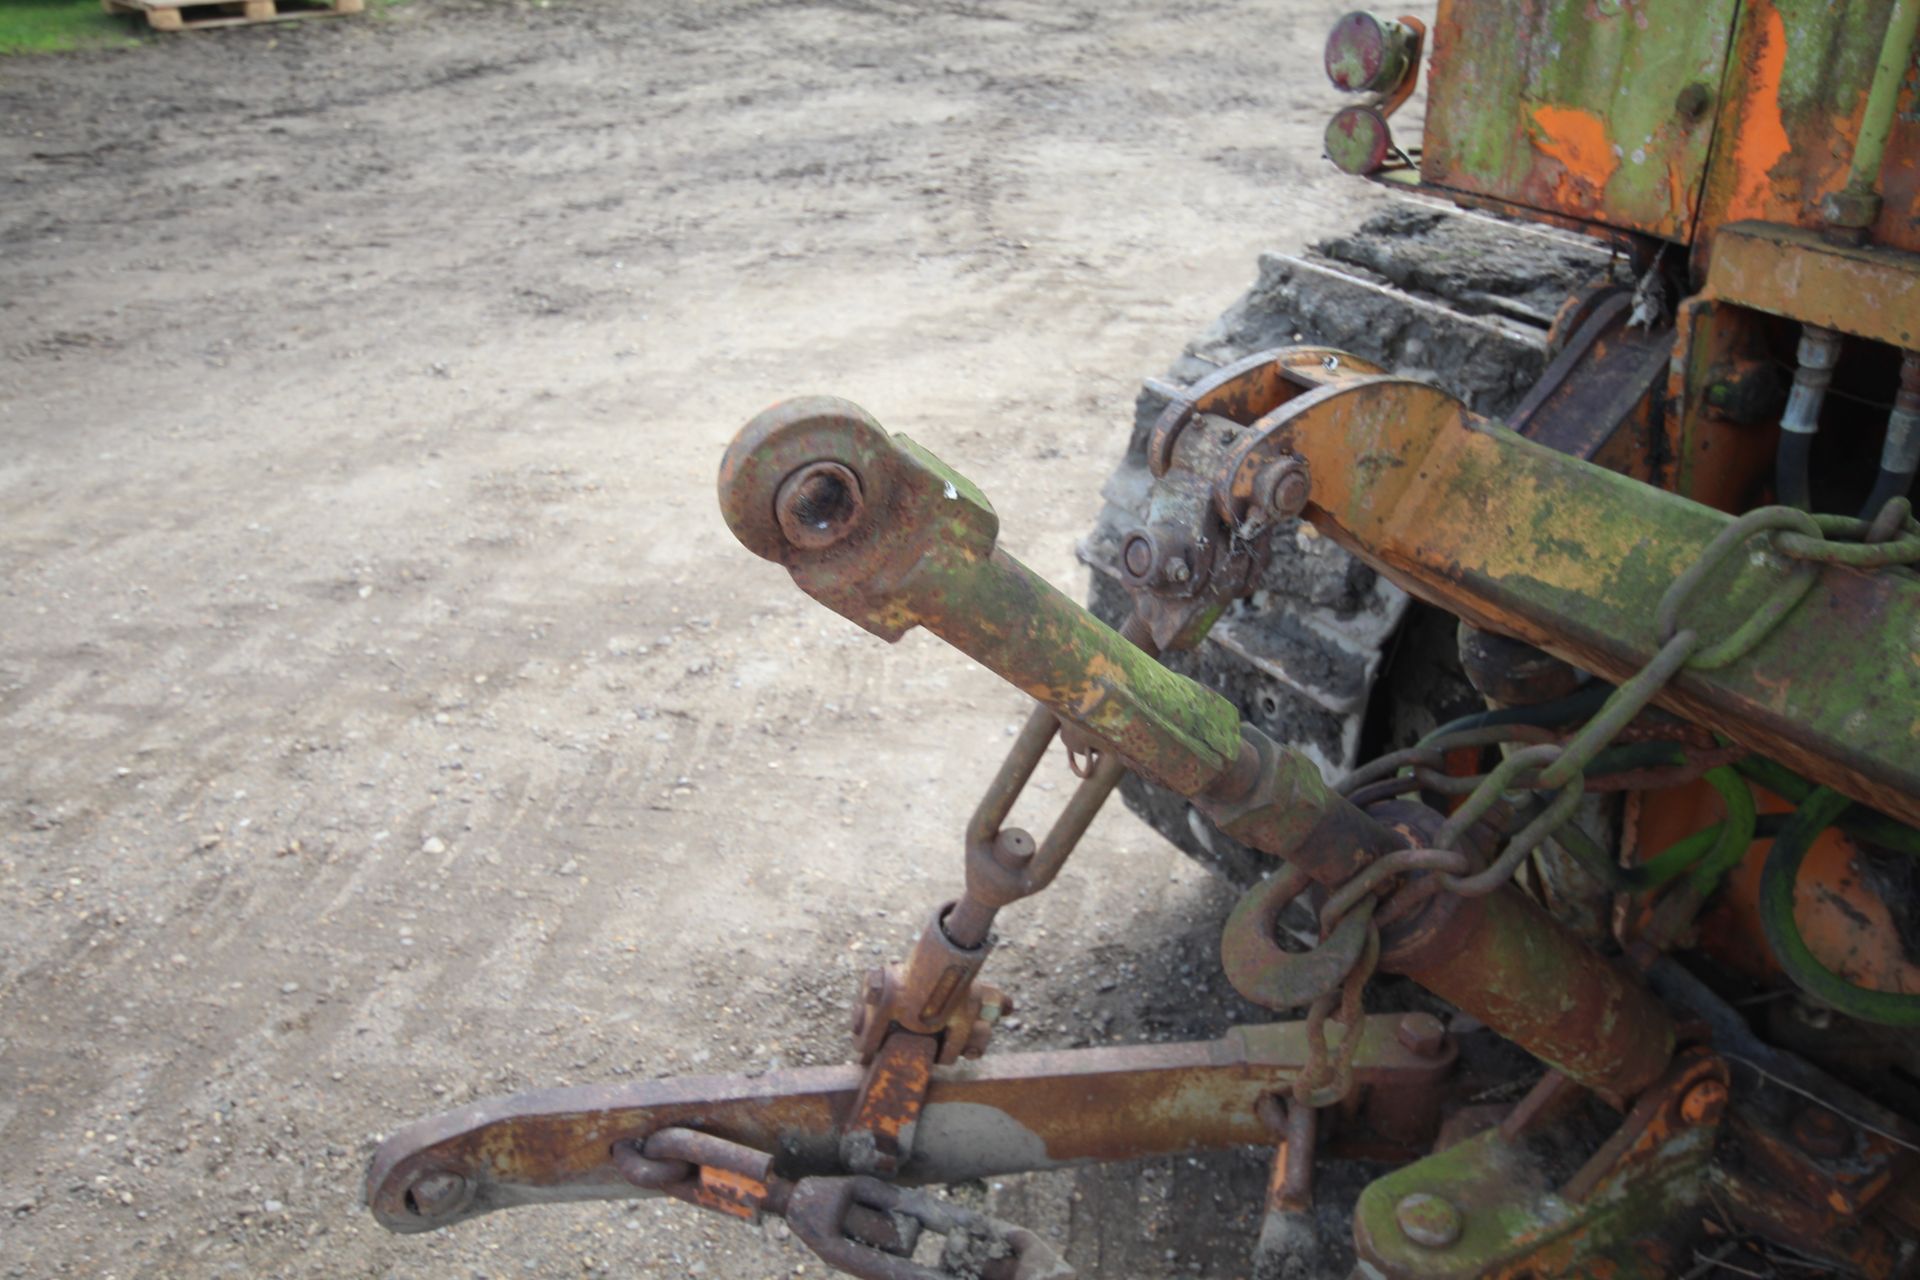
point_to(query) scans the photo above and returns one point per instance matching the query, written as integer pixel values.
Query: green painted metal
(921, 552)
(1595, 111)
(1894, 65)
(1575, 558)
(916, 547)
(1509, 1211)
(1816, 813)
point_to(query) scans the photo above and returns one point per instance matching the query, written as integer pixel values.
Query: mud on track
(386, 717)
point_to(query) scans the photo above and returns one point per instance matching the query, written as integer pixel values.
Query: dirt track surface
(387, 719)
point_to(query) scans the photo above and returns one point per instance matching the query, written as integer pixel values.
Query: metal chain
(1808, 541)
(856, 1225)
(1891, 538)
(1323, 1080)
(1801, 537)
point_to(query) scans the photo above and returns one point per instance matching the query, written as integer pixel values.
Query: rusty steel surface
(1572, 558)
(1786, 271)
(975, 1247)
(1602, 112)
(1594, 1023)
(1602, 397)
(1270, 975)
(855, 1224)
(919, 551)
(1516, 968)
(1795, 99)
(933, 995)
(1248, 388)
(877, 1136)
(1004, 1114)
(1492, 1206)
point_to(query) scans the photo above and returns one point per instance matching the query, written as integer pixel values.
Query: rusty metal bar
(918, 550)
(892, 538)
(1502, 958)
(1868, 292)
(1573, 558)
(1005, 1114)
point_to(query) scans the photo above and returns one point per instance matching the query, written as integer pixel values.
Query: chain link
(1891, 538)
(1326, 1078)
(1803, 541)
(857, 1225)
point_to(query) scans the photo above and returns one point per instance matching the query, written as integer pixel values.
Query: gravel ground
(387, 718)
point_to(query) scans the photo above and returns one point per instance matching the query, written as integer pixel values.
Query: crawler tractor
(1517, 598)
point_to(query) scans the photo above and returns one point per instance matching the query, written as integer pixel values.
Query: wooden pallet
(186, 15)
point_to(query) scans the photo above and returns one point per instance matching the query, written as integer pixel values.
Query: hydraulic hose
(1777, 878)
(1734, 835)
(1578, 705)
(1709, 853)
(1792, 469)
(1819, 352)
(1900, 455)
(1863, 823)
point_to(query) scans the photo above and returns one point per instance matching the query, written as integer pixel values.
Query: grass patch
(52, 26)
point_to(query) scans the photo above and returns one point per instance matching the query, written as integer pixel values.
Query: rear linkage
(885, 534)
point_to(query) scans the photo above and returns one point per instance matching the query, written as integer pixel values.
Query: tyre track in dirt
(386, 718)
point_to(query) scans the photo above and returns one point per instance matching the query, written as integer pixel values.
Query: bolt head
(437, 1194)
(1137, 556)
(1819, 1132)
(1851, 209)
(818, 505)
(1283, 487)
(1428, 1221)
(1013, 849)
(1423, 1034)
(1704, 1102)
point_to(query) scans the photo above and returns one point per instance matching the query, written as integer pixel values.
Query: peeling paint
(1578, 140)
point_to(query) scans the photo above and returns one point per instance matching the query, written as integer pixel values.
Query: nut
(1819, 1132)
(1427, 1220)
(1423, 1034)
(437, 1194)
(818, 505)
(1855, 210)
(1703, 1102)
(1283, 487)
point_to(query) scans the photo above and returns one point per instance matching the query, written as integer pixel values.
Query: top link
(885, 534)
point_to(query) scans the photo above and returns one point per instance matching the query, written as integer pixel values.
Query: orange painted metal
(1868, 292)
(1713, 458)
(1795, 95)
(1599, 113)
(1844, 919)
(878, 1135)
